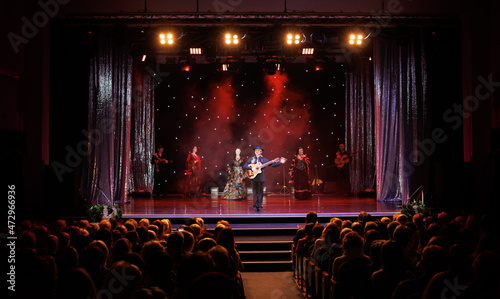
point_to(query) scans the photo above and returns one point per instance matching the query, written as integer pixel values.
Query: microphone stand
(285, 189)
(98, 188)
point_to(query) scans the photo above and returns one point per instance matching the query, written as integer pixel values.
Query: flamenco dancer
(193, 173)
(235, 186)
(299, 171)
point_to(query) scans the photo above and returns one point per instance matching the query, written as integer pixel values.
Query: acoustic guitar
(342, 160)
(258, 166)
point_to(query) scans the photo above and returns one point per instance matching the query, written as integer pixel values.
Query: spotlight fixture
(355, 39)
(307, 51)
(167, 38)
(293, 39)
(195, 51)
(232, 39)
(271, 66)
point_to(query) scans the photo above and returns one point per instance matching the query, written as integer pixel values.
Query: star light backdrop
(221, 111)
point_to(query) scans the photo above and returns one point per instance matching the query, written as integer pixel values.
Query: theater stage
(275, 206)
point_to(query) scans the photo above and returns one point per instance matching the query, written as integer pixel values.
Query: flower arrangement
(413, 208)
(99, 212)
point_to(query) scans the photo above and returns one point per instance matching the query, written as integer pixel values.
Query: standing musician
(193, 172)
(160, 177)
(343, 159)
(256, 164)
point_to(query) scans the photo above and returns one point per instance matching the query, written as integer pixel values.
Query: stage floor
(275, 205)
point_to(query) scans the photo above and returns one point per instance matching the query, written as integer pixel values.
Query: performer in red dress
(193, 172)
(299, 171)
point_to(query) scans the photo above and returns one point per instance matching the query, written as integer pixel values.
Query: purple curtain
(120, 124)
(360, 132)
(400, 78)
(142, 135)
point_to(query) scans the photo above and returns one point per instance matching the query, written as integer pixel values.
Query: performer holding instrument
(255, 171)
(160, 177)
(342, 160)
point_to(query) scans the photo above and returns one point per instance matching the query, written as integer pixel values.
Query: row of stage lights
(234, 39)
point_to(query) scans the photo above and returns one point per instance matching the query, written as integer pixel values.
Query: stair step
(267, 266)
(281, 255)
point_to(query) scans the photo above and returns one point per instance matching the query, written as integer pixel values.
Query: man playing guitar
(160, 177)
(255, 167)
(343, 158)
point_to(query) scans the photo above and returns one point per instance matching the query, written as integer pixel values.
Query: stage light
(232, 38)
(307, 51)
(186, 68)
(167, 39)
(271, 66)
(195, 51)
(293, 38)
(143, 57)
(355, 39)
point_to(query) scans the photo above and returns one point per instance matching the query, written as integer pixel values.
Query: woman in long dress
(299, 171)
(235, 186)
(193, 171)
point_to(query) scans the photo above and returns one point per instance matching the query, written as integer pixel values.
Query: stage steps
(265, 249)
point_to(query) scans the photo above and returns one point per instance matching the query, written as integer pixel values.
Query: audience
(408, 257)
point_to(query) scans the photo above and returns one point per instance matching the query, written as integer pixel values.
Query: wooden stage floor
(275, 205)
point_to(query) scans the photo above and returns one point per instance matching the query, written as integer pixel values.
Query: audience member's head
(192, 267)
(402, 219)
(76, 283)
(120, 248)
(418, 219)
(318, 230)
(205, 244)
(221, 258)
(309, 229)
(404, 236)
(105, 224)
(311, 217)
(359, 228)
(346, 224)
(189, 241)
(66, 258)
(226, 239)
(144, 222)
(150, 248)
(159, 271)
(352, 241)
(175, 241)
(385, 220)
(434, 260)
(133, 237)
(58, 226)
(392, 256)
(130, 282)
(344, 232)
